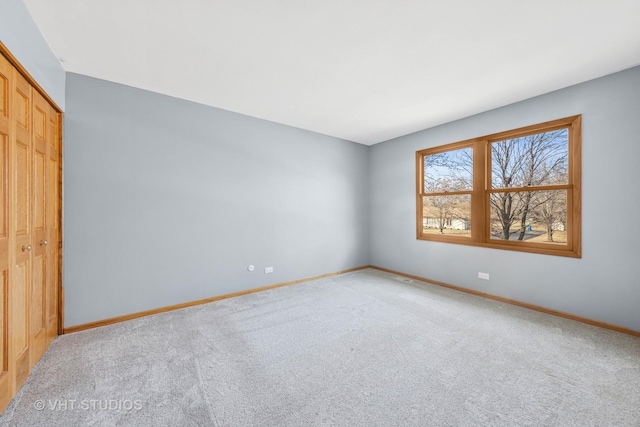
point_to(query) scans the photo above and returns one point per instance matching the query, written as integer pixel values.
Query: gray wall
(168, 201)
(604, 284)
(20, 34)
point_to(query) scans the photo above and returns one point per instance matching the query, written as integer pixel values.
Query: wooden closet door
(38, 299)
(20, 283)
(30, 222)
(6, 382)
(53, 225)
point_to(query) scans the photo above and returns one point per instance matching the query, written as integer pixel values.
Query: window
(516, 190)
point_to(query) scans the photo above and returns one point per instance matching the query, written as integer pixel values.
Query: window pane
(449, 171)
(538, 159)
(531, 216)
(448, 215)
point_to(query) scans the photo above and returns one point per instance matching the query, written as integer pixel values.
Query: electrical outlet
(484, 276)
(268, 270)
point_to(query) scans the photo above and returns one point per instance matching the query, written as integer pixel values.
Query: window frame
(482, 190)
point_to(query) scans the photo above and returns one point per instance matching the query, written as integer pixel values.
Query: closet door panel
(53, 224)
(37, 308)
(20, 286)
(6, 382)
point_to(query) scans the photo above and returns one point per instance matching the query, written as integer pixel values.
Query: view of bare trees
(532, 161)
(452, 213)
(447, 174)
(552, 213)
(529, 161)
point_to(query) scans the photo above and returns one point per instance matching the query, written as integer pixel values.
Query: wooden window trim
(482, 190)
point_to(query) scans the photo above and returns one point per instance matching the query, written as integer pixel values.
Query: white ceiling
(362, 70)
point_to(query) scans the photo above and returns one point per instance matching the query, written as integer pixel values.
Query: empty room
(292, 213)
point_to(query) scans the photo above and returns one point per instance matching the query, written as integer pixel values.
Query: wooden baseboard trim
(557, 313)
(119, 319)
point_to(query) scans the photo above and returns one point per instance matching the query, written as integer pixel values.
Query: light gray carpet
(361, 349)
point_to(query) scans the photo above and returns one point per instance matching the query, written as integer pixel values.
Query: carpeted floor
(360, 349)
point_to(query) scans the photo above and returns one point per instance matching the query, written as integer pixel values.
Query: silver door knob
(26, 248)
(43, 243)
